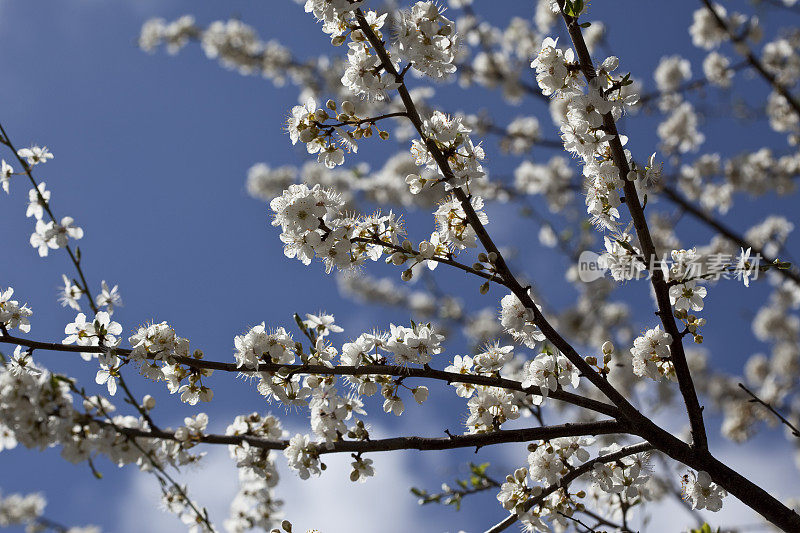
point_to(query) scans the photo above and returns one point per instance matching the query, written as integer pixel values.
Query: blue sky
(151, 153)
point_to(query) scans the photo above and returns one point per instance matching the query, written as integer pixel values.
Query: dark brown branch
(383, 370)
(472, 218)
(602, 427)
(685, 383)
(678, 199)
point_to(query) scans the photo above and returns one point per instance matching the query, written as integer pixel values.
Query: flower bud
(338, 40)
(348, 107)
(307, 135)
(608, 347)
(484, 288)
(407, 275)
(148, 402)
(421, 394)
(330, 104)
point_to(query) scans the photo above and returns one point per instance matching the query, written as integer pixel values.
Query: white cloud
(770, 466)
(330, 503)
(213, 484)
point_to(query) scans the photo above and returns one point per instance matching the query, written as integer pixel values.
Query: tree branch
(382, 370)
(677, 198)
(756, 399)
(477, 441)
(569, 478)
(685, 383)
(741, 46)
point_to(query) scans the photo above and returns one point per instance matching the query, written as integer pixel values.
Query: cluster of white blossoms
(549, 460)
(427, 40)
(453, 228)
(621, 257)
(415, 345)
(549, 372)
(329, 409)
(304, 125)
(679, 133)
(652, 356)
(27, 509)
(716, 68)
(449, 134)
(519, 321)
(556, 69)
(13, 315)
(551, 180)
(6, 171)
(101, 331)
(155, 348)
(702, 492)
(47, 235)
(335, 15)
(671, 72)
(521, 134)
(38, 409)
(302, 454)
(175, 34)
(233, 43)
(53, 235)
(627, 476)
(257, 345)
(314, 224)
(533, 494)
(20, 509)
(364, 75)
(582, 130)
(255, 505)
(489, 407)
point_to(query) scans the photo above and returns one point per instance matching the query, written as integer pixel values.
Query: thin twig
(569, 478)
(756, 399)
